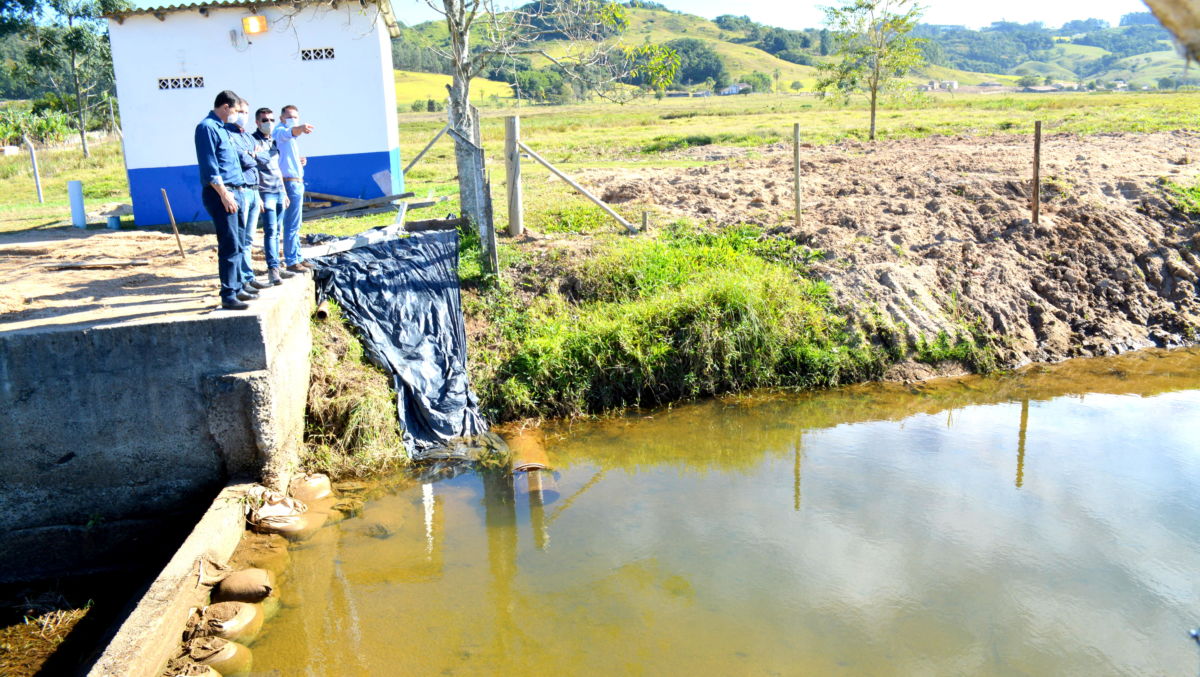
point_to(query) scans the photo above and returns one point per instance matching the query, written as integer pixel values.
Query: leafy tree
(69, 50)
(776, 75)
(582, 24)
(1048, 81)
(698, 61)
(1139, 19)
(1029, 81)
(797, 85)
(1168, 83)
(1083, 26)
(758, 81)
(875, 48)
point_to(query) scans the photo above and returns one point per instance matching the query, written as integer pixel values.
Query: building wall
(349, 98)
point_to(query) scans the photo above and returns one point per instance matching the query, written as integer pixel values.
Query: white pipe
(75, 193)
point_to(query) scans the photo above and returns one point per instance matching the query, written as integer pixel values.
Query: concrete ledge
(150, 636)
(129, 421)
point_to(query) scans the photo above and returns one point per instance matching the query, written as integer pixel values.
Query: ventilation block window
(317, 54)
(192, 82)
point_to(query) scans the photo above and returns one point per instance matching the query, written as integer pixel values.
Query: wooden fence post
(1037, 172)
(37, 177)
(796, 169)
(512, 165)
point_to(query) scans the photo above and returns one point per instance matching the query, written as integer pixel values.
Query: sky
(806, 14)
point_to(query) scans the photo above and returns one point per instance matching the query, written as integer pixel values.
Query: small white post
(75, 193)
(37, 177)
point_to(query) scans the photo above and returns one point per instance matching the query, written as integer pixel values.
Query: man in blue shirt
(291, 165)
(221, 178)
(248, 149)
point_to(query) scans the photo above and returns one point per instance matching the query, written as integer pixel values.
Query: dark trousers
(229, 241)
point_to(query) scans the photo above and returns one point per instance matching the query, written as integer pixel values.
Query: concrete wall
(350, 98)
(107, 433)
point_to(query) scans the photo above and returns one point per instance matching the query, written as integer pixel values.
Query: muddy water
(1045, 523)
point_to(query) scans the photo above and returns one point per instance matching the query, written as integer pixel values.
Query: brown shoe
(298, 268)
(307, 265)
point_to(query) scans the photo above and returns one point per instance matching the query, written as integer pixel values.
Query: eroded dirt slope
(935, 235)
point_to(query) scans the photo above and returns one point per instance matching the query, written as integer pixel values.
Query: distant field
(412, 86)
(636, 135)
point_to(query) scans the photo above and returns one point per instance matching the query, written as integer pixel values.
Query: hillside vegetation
(731, 49)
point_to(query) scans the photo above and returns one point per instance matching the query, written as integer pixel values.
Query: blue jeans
(272, 216)
(252, 206)
(292, 216)
(229, 243)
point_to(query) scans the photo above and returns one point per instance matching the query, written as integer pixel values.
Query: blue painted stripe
(352, 175)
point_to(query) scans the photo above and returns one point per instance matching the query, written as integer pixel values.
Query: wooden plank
(359, 204)
(571, 182)
(328, 197)
(317, 205)
(88, 265)
(425, 149)
(435, 224)
(409, 206)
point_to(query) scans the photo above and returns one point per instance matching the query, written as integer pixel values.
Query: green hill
(1001, 53)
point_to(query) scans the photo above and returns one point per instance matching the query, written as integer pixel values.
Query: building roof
(159, 8)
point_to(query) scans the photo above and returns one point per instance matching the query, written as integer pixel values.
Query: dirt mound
(934, 235)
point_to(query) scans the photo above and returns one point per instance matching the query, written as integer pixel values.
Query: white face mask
(289, 122)
(265, 128)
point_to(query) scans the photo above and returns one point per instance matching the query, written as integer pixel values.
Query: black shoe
(234, 305)
(246, 295)
(258, 284)
(284, 273)
(273, 276)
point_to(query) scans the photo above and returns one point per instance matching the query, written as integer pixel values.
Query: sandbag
(301, 528)
(262, 551)
(266, 508)
(270, 606)
(247, 585)
(183, 666)
(226, 657)
(311, 488)
(236, 621)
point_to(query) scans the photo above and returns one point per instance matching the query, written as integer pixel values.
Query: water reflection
(875, 530)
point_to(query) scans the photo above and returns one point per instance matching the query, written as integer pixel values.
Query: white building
(333, 60)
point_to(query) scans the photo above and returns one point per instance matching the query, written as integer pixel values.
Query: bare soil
(935, 235)
(35, 293)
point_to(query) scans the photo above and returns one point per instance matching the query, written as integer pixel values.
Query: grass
(651, 321)
(351, 426)
(1184, 197)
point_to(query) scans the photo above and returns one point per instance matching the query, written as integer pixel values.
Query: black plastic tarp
(403, 297)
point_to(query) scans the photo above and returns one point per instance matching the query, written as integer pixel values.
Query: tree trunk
(79, 107)
(874, 100)
(470, 179)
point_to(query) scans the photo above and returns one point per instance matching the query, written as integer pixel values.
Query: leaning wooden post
(37, 177)
(171, 215)
(512, 165)
(796, 169)
(1037, 172)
